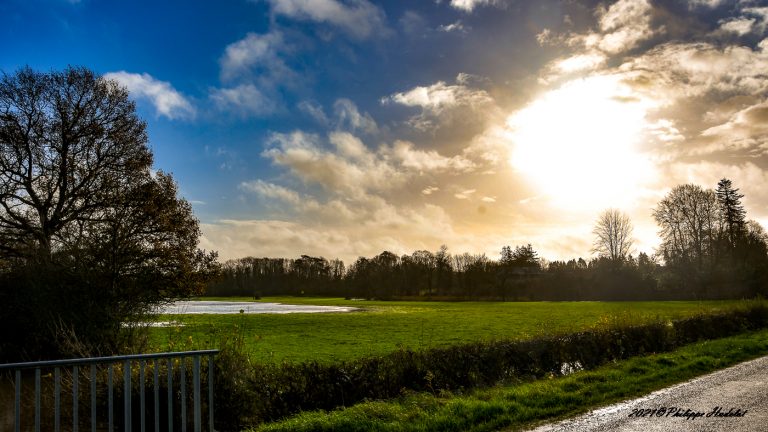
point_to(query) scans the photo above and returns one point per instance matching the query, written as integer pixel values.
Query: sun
(579, 144)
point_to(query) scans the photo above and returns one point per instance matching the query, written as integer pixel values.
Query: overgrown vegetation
(258, 392)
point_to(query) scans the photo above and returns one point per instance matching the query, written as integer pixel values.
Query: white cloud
(457, 111)
(258, 52)
(761, 13)
(429, 190)
(167, 101)
(547, 37)
(350, 118)
(344, 165)
(490, 149)
(440, 96)
(444, 104)
(579, 63)
(751, 20)
(428, 161)
(704, 3)
(453, 27)
(666, 131)
(467, 79)
(351, 148)
(276, 238)
(354, 170)
(314, 110)
(379, 226)
(624, 25)
(463, 195)
(271, 190)
(621, 27)
(695, 69)
(470, 5)
(740, 26)
(358, 18)
(246, 100)
(746, 129)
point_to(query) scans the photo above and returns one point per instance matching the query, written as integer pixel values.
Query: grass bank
(524, 404)
(384, 327)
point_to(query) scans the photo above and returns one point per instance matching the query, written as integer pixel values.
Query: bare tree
(688, 218)
(613, 235)
(70, 142)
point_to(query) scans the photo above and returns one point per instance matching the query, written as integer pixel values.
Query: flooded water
(225, 307)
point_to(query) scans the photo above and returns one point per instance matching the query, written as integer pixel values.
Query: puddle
(224, 307)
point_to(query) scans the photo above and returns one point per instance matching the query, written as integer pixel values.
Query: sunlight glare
(579, 143)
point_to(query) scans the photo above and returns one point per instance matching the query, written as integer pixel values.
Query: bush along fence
(248, 394)
(161, 391)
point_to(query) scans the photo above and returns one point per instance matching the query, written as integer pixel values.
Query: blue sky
(346, 127)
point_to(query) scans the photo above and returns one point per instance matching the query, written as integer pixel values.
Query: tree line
(518, 275)
(709, 250)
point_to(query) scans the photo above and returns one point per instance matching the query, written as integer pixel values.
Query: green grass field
(386, 326)
(526, 404)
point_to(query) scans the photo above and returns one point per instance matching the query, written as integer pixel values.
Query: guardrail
(153, 361)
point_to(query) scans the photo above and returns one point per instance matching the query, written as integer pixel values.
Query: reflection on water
(225, 307)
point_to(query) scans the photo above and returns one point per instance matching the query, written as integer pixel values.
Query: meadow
(382, 327)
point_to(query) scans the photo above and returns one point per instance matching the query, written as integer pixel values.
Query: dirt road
(732, 400)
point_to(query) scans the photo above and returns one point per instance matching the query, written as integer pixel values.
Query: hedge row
(248, 394)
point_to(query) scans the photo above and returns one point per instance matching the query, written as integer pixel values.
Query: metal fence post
(37, 400)
(142, 399)
(196, 381)
(127, 394)
(170, 394)
(17, 402)
(75, 398)
(210, 393)
(57, 399)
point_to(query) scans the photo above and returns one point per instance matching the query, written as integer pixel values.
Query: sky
(343, 128)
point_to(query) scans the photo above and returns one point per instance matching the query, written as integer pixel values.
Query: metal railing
(153, 361)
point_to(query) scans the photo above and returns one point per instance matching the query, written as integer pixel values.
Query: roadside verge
(526, 404)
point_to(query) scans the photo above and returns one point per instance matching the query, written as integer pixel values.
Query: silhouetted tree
(385, 274)
(732, 213)
(443, 270)
(687, 217)
(525, 257)
(424, 263)
(90, 235)
(613, 235)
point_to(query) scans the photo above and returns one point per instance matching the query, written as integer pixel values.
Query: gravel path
(698, 405)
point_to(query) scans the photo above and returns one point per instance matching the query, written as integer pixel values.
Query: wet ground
(225, 307)
(732, 400)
